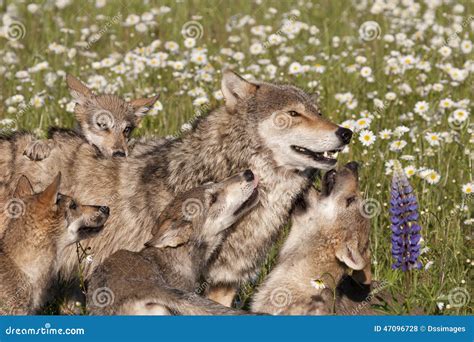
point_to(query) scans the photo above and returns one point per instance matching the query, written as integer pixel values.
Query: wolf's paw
(38, 150)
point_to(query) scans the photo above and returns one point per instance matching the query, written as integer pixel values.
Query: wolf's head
(340, 204)
(289, 122)
(201, 215)
(107, 121)
(53, 219)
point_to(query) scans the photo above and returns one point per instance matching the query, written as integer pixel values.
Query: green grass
(445, 232)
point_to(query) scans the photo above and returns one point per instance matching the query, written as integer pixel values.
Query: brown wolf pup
(161, 278)
(277, 131)
(329, 236)
(105, 121)
(40, 227)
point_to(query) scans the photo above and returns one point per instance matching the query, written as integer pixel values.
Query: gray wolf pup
(329, 236)
(38, 230)
(161, 277)
(277, 131)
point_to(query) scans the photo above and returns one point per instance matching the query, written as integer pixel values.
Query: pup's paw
(38, 150)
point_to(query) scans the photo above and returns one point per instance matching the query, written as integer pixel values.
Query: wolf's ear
(349, 254)
(364, 276)
(170, 234)
(24, 188)
(235, 88)
(78, 90)
(49, 195)
(142, 106)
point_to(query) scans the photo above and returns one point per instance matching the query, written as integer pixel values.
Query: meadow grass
(445, 210)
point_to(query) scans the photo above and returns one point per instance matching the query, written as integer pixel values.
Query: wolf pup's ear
(142, 106)
(364, 276)
(235, 89)
(349, 254)
(79, 91)
(24, 187)
(170, 234)
(49, 195)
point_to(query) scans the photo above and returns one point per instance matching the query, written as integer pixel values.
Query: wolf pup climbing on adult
(104, 121)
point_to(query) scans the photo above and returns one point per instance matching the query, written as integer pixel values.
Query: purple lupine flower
(404, 216)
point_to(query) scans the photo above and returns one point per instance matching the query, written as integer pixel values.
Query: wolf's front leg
(222, 294)
(38, 150)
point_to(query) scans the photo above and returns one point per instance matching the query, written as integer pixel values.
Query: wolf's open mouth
(90, 230)
(248, 203)
(328, 157)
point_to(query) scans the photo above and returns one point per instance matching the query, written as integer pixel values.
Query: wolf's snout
(248, 175)
(104, 210)
(120, 154)
(344, 134)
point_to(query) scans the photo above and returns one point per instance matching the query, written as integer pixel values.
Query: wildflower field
(399, 73)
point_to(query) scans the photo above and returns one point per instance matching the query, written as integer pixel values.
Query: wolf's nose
(104, 210)
(119, 154)
(344, 134)
(248, 175)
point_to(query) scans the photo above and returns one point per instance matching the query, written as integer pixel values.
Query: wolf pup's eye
(127, 130)
(293, 113)
(72, 205)
(213, 199)
(58, 198)
(350, 200)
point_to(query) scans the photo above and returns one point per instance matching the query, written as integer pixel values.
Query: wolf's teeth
(335, 155)
(326, 154)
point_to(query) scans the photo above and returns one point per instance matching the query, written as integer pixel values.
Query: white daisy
(433, 139)
(367, 138)
(385, 134)
(397, 145)
(468, 188)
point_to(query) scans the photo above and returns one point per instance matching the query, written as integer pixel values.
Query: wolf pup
(161, 277)
(329, 235)
(39, 228)
(105, 121)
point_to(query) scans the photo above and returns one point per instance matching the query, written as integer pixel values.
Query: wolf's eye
(72, 205)
(293, 113)
(127, 130)
(213, 199)
(58, 198)
(350, 200)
